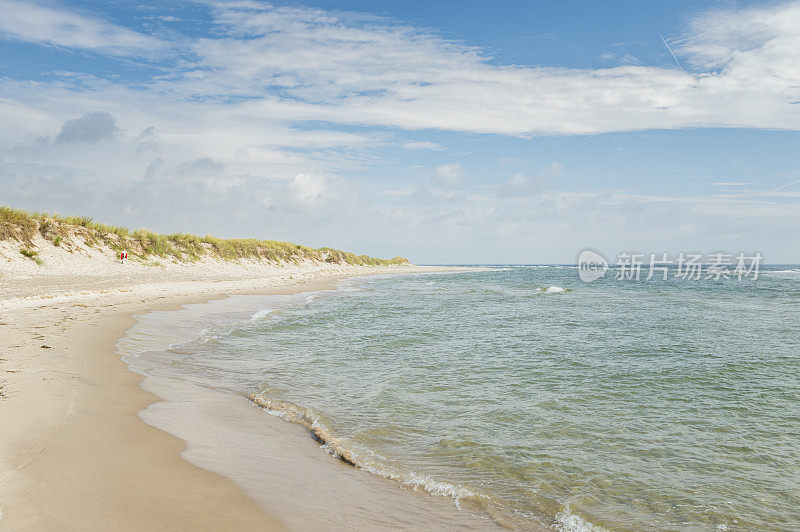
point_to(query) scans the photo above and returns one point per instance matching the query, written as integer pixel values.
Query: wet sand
(75, 453)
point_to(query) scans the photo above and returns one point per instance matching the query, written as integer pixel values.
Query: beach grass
(31, 254)
(20, 225)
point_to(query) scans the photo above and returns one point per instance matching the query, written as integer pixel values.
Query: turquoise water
(529, 396)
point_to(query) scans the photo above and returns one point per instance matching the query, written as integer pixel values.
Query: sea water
(523, 394)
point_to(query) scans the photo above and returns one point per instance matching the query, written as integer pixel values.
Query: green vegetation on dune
(31, 254)
(22, 226)
(17, 224)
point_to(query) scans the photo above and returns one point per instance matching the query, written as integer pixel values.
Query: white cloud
(763, 38)
(423, 146)
(449, 174)
(326, 62)
(32, 22)
(219, 134)
(320, 65)
(91, 127)
(147, 140)
(555, 169)
(203, 167)
(517, 181)
(520, 185)
(313, 190)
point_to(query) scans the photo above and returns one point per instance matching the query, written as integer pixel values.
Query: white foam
(374, 463)
(780, 272)
(261, 314)
(566, 521)
(411, 479)
(436, 487)
(553, 290)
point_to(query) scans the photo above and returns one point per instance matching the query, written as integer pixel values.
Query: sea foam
(554, 290)
(364, 459)
(566, 521)
(264, 312)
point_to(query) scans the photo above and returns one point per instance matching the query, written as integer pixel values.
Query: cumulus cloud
(147, 140)
(154, 170)
(555, 169)
(522, 185)
(519, 185)
(308, 189)
(201, 167)
(449, 174)
(91, 128)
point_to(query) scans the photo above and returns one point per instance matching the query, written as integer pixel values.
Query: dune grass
(31, 254)
(16, 224)
(20, 225)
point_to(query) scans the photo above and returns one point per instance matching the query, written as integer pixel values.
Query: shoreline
(71, 409)
(80, 457)
(279, 463)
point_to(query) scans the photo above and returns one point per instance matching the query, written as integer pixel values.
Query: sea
(526, 395)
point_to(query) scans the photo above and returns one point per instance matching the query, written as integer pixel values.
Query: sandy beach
(76, 454)
(211, 312)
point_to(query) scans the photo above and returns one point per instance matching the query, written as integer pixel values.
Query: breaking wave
(364, 459)
(554, 290)
(261, 314)
(566, 521)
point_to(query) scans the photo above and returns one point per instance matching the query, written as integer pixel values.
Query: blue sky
(463, 132)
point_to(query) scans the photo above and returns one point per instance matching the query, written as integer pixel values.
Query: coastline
(75, 452)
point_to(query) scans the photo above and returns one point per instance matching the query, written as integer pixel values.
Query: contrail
(786, 185)
(671, 52)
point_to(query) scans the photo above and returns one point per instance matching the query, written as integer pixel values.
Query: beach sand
(75, 453)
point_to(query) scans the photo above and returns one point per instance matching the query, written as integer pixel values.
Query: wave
(264, 312)
(364, 459)
(566, 521)
(371, 462)
(792, 272)
(554, 290)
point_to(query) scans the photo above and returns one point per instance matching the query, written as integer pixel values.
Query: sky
(445, 132)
